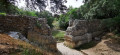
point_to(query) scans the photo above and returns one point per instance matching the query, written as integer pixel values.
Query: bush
(8, 8)
(47, 15)
(63, 25)
(4, 14)
(73, 13)
(112, 24)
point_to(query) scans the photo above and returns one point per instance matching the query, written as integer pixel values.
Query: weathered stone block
(36, 31)
(78, 40)
(82, 31)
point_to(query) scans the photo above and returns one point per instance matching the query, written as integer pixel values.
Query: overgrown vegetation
(7, 7)
(112, 24)
(73, 13)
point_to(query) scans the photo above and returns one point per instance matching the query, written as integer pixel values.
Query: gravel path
(67, 51)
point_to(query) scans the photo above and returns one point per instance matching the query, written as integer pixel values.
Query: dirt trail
(67, 51)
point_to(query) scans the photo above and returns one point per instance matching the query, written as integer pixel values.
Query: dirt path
(67, 51)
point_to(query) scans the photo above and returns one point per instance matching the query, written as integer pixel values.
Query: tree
(56, 5)
(73, 13)
(47, 15)
(7, 7)
(100, 9)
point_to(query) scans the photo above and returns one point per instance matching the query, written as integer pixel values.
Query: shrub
(4, 14)
(73, 13)
(47, 15)
(63, 25)
(112, 24)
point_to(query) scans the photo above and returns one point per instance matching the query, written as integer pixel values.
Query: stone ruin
(36, 31)
(82, 31)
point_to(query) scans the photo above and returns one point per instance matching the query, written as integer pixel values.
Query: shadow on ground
(113, 46)
(87, 45)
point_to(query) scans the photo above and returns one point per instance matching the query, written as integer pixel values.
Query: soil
(11, 46)
(104, 47)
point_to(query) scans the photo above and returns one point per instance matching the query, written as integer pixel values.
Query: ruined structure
(82, 31)
(36, 31)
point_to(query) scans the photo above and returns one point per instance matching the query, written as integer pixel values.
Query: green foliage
(100, 9)
(47, 15)
(63, 23)
(73, 13)
(113, 24)
(27, 13)
(4, 14)
(7, 7)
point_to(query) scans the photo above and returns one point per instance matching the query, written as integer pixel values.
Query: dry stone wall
(82, 31)
(36, 31)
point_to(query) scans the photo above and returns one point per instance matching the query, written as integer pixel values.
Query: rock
(82, 31)
(78, 40)
(36, 30)
(17, 35)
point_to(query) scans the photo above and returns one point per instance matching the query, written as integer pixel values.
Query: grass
(58, 34)
(30, 52)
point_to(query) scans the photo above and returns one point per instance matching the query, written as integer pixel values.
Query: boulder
(82, 31)
(17, 35)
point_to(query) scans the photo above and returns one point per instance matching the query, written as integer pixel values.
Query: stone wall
(82, 31)
(36, 31)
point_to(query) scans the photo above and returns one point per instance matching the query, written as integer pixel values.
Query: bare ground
(105, 47)
(10, 46)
